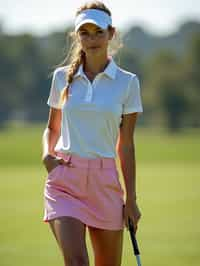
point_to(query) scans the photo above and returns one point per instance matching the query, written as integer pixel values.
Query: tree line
(169, 76)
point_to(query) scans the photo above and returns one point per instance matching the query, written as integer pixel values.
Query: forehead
(89, 26)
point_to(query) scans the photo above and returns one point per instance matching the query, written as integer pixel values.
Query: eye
(99, 32)
(83, 33)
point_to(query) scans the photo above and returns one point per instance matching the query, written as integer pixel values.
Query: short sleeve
(133, 102)
(57, 85)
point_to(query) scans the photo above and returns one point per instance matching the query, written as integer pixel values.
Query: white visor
(94, 16)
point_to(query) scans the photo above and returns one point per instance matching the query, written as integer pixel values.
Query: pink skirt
(89, 190)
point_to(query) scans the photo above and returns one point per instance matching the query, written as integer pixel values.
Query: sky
(44, 16)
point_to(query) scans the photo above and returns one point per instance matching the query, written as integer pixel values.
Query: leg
(70, 235)
(107, 246)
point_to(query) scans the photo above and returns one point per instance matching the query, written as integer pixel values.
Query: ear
(111, 33)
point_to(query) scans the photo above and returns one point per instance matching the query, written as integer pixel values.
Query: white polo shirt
(92, 114)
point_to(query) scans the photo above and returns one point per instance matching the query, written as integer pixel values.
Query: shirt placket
(90, 90)
(89, 94)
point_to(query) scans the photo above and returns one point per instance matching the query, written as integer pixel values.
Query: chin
(94, 52)
(97, 49)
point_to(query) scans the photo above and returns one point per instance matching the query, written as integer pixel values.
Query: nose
(92, 36)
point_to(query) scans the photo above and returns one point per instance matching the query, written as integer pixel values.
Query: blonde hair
(76, 56)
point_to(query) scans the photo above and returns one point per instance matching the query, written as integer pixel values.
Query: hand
(131, 210)
(51, 161)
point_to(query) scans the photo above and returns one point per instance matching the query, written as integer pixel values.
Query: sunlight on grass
(168, 196)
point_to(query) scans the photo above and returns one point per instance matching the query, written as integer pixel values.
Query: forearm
(128, 166)
(49, 140)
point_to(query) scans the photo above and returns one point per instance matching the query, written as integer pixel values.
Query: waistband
(83, 162)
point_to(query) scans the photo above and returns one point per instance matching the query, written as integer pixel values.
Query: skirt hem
(107, 226)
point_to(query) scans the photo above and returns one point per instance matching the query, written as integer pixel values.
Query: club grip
(133, 239)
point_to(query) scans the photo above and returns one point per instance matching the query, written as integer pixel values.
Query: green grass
(168, 185)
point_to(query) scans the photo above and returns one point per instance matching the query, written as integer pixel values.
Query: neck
(95, 65)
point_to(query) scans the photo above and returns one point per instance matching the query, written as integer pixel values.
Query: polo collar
(109, 71)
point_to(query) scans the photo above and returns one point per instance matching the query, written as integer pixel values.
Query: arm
(126, 152)
(132, 106)
(51, 132)
(50, 137)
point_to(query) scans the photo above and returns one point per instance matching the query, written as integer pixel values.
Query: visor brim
(101, 25)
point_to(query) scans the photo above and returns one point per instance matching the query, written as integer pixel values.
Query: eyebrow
(97, 28)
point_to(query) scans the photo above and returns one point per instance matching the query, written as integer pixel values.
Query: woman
(93, 111)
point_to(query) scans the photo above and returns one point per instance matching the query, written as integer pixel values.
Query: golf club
(134, 241)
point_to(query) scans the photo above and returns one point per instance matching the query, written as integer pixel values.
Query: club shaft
(138, 260)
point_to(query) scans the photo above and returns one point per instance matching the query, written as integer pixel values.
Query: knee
(77, 260)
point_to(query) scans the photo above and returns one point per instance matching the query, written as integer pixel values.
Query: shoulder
(60, 77)
(128, 80)
(126, 75)
(59, 71)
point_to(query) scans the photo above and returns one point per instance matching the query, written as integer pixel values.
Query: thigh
(70, 235)
(107, 246)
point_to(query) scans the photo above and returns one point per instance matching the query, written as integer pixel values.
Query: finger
(69, 164)
(134, 223)
(64, 162)
(135, 227)
(125, 217)
(131, 224)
